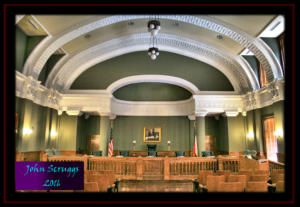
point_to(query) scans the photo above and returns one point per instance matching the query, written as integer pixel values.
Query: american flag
(111, 144)
(195, 148)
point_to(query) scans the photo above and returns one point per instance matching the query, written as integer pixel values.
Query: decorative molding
(76, 64)
(152, 78)
(192, 117)
(40, 55)
(75, 102)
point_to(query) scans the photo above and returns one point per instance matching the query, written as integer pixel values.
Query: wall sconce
(27, 131)
(278, 133)
(53, 133)
(169, 145)
(133, 142)
(250, 135)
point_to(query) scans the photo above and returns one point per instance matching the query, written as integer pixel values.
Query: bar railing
(231, 163)
(191, 165)
(273, 166)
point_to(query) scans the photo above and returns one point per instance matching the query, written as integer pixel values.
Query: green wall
(236, 133)
(254, 63)
(67, 132)
(31, 116)
(21, 41)
(86, 127)
(24, 46)
(152, 92)
(276, 110)
(48, 67)
(126, 129)
(204, 76)
(273, 43)
(211, 126)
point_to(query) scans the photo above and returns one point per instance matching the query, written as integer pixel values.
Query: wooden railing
(168, 168)
(122, 167)
(273, 166)
(57, 158)
(190, 166)
(231, 163)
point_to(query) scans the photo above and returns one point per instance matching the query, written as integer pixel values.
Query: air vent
(33, 24)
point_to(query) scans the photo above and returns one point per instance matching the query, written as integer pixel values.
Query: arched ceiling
(90, 40)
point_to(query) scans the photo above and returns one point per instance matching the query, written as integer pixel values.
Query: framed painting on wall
(152, 134)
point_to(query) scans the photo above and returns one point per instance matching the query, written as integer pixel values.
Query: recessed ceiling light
(130, 23)
(176, 24)
(220, 37)
(87, 36)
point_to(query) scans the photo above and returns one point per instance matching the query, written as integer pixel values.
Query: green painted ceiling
(204, 76)
(152, 92)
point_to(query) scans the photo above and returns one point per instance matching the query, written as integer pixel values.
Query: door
(270, 140)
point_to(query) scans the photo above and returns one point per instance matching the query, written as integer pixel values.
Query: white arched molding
(61, 78)
(46, 48)
(154, 79)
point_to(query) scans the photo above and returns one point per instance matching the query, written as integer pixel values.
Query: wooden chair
(202, 177)
(91, 187)
(230, 187)
(253, 186)
(213, 182)
(280, 186)
(248, 174)
(226, 173)
(238, 178)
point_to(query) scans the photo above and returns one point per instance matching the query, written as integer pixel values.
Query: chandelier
(153, 28)
(153, 51)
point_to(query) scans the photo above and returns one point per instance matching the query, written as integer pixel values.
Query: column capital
(231, 113)
(112, 116)
(201, 113)
(192, 117)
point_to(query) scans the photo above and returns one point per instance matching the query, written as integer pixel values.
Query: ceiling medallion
(153, 27)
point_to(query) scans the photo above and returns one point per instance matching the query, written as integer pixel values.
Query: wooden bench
(213, 182)
(256, 187)
(202, 177)
(91, 187)
(230, 187)
(238, 178)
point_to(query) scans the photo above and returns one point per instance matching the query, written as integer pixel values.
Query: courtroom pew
(280, 186)
(230, 187)
(253, 186)
(226, 173)
(238, 178)
(202, 177)
(213, 182)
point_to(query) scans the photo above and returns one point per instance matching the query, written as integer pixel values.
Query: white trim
(102, 102)
(152, 78)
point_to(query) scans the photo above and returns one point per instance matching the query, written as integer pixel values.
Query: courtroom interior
(154, 103)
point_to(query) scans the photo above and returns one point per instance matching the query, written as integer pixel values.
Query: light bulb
(151, 26)
(149, 53)
(158, 27)
(153, 51)
(153, 57)
(157, 54)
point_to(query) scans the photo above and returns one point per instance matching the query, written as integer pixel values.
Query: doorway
(271, 147)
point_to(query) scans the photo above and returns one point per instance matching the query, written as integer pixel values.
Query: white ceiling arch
(69, 68)
(153, 79)
(46, 48)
